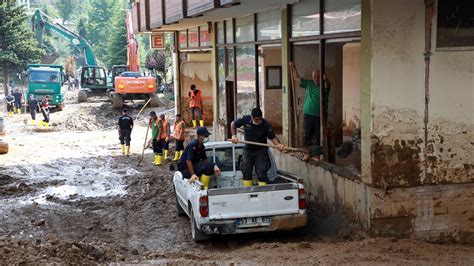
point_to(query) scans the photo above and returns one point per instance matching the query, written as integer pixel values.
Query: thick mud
(68, 195)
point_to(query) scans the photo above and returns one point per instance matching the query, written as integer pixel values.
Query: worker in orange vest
(179, 136)
(163, 138)
(195, 103)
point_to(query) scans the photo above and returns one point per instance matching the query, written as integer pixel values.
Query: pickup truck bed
(229, 208)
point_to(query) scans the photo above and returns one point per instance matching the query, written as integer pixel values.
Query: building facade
(401, 78)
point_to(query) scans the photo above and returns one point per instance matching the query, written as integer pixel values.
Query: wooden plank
(196, 7)
(156, 13)
(174, 11)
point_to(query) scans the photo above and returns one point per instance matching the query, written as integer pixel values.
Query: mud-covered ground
(68, 196)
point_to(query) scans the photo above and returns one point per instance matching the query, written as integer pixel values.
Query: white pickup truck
(229, 208)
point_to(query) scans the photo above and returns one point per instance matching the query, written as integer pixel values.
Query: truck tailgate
(277, 199)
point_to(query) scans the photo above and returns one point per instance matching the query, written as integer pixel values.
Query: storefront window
(220, 32)
(455, 24)
(229, 31)
(205, 37)
(182, 39)
(193, 37)
(246, 86)
(305, 18)
(341, 16)
(268, 25)
(221, 80)
(244, 29)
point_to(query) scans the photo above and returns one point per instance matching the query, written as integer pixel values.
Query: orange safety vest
(164, 130)
(179, 130)
(196, 99)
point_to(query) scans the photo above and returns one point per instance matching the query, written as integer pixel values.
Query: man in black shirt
(10, 103)
(193, 163)
(18, 95)
(33, 105)
(256, 129)
(125, 126)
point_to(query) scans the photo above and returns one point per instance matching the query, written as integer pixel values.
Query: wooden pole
(271, 146)
(295, 111)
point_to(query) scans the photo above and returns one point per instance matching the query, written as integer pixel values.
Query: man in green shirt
(312, 106)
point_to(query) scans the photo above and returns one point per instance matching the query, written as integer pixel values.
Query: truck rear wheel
(196, 234)
(117, 101)
(82, 96)
(179, 210)
(154, 102)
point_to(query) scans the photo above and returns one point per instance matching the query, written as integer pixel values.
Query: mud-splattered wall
(399, 154)
(271, 98)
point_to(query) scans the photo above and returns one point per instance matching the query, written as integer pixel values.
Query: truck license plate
(254, 221)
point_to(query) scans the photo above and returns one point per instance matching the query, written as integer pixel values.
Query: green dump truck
(46, 81)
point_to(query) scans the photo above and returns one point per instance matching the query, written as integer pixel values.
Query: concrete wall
(271, 99)
(351, 88)
(332, 189)
(398, 136)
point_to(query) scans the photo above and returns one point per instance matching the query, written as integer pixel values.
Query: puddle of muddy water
(75, 181)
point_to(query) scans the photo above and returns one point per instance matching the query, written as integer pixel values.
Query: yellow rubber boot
(46, 125)
(180, 153)
(18, 111)
(158, 160)
(128, 150)
(205, 181)
(201, 123)
(123, 149)
(155, 160)
(166, 154)
(41, 123)
(261, 184)
(176, 156)
(194, 123)
(33, 122)
(247, 183)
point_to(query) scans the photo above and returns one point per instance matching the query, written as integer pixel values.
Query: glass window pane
(228, 31)
(221, 93)
(305, 18)
(193, 37)
(246, 87)
(455, 24)
(341, 16)
(182, 39)
(244, 29)
(230, 64)
(220, 32)
(268, 25)
(204, 35)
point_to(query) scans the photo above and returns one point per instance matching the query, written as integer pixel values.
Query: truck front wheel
(82, 96)
(60, 106)
(196, 234)
(117, 101)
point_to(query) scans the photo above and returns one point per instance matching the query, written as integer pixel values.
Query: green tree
(66, 8)
(117, 49)
(98, 26)
(18, 47)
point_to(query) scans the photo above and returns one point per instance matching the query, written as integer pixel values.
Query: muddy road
(69, 196)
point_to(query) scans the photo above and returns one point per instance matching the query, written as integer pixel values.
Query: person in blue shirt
(194, 164)
(256, 129)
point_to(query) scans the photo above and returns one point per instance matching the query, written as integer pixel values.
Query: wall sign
(157, 41)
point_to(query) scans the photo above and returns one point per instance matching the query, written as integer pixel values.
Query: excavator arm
(41, 22)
